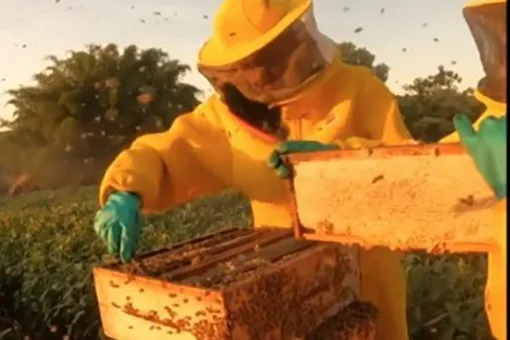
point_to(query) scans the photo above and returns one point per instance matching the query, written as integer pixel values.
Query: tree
(353, 55)
(429, 104)
(87, 106)
(95, 101)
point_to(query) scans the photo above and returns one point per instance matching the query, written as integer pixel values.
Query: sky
(33, 29)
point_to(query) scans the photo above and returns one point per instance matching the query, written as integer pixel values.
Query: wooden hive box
(427, 197)
(235, 284)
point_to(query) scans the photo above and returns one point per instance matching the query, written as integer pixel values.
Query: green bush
(48, 249)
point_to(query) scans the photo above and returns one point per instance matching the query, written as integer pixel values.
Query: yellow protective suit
(210, 149)
(495, 291)
(487, 20)
(492, 108)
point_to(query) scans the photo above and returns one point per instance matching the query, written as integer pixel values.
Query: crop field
(48, 248)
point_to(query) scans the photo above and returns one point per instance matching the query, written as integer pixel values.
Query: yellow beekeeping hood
(242, 27)
(487, 21)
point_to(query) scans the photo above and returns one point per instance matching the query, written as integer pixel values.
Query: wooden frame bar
(427, 197)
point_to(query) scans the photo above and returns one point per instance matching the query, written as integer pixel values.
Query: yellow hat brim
(214, 53)
(476, 3)
(489, 102)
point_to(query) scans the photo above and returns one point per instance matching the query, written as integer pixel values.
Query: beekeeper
(487, 147)
(487, 21)
(281, 88)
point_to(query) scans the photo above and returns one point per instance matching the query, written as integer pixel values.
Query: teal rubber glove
(276, 162)
(119, 224)
(487, 147)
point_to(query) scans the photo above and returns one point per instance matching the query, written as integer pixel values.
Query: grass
(48, 249)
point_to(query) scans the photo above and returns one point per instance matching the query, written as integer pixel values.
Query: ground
(48, 248)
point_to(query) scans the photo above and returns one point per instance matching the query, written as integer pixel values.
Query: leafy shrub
(445, 296)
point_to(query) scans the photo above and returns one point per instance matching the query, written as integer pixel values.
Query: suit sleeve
(496, 289)
(454, 136)
(378, 115)
(191, 159)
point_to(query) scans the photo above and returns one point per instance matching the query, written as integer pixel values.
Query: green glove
(119, 224)
(275, 159)
(487, 147)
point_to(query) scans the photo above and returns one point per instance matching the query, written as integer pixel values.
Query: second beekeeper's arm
(496, 288)
(191, 159)
(378, 115)
(488, 147)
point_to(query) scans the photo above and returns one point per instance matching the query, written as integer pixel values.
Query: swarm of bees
(157, 13)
